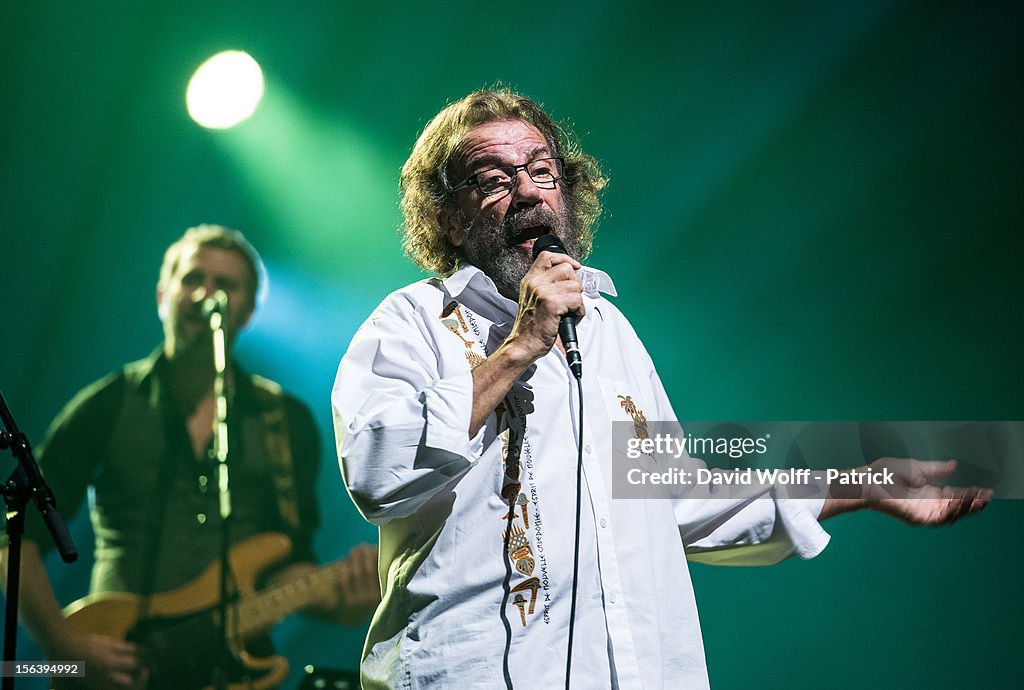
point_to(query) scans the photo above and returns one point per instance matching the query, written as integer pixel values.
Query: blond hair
(218, 236)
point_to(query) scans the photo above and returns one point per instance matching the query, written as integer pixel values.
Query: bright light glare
(225, 90)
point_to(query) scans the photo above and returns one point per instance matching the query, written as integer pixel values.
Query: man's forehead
(212, 257)
(499, 139)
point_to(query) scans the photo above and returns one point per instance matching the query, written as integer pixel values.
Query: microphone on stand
(567, 324)
(217, 303)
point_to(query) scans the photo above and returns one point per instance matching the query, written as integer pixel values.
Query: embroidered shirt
(477, 534)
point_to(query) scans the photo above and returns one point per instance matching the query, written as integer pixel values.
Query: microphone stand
(217, 306)
(26, 482)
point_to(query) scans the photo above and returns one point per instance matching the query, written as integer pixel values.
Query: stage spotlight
(225, 90)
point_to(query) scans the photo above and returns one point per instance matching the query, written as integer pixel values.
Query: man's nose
(201, 292)
(525, 192)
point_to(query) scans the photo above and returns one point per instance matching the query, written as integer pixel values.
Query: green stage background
(815, 212)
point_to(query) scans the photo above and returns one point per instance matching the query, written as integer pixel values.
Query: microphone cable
(576, 546)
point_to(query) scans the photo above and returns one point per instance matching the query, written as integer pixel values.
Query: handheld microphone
(217, 303)
(567, 325)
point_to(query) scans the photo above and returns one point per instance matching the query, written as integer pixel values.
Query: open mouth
(524, 238)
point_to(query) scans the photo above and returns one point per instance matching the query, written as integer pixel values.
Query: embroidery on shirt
(458, 326)
(531, 585)
(522, 535)
(517, 544)
(522, 502)
(538, 531)
(639, 420)
(519, 550)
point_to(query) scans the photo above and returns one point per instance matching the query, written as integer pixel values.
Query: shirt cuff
(448, 407)
(798, 517)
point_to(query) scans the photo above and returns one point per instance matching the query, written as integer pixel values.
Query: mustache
(512, 226)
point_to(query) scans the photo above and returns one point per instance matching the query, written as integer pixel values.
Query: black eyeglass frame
(514, 176)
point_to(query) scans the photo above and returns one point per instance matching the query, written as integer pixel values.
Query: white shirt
(402, 404)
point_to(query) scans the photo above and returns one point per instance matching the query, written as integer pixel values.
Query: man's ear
(161, 307)
(453, 230)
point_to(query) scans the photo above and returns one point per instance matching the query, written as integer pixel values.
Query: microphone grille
(548, 243)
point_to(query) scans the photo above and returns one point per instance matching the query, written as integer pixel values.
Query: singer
(140, 438)
(455, 414)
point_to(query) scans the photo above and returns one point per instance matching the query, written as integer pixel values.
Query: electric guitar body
(179, 633)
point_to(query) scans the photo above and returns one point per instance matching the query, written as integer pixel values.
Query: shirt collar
(595, 281)
(155, 369)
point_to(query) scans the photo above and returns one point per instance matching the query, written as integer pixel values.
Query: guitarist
(140, 439)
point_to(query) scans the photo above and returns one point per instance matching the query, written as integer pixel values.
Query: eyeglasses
(544, 172)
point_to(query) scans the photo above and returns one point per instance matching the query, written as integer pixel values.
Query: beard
(493, 246)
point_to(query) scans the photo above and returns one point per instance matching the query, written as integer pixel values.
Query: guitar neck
(259, 612)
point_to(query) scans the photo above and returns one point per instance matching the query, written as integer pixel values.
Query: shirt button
(611, 597)
(604, 523)
(587, 448)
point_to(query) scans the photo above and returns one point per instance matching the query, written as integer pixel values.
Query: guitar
(178, 631)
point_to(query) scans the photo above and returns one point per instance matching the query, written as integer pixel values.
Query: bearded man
(455, 416)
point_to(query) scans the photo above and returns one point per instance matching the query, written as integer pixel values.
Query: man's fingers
(555, 266)
(981, 500)
(961, 501)
(554, 259)
(122, 646)
(563, 297)
(956, 503)
(116, 663)
(975, 499)
(363, 572)
(122, 679)
(549, 291)
(917, 498)
(128, 679)
(345, 576)
(365, 557)
(562, 275)
(934, 471)
(116, 654)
